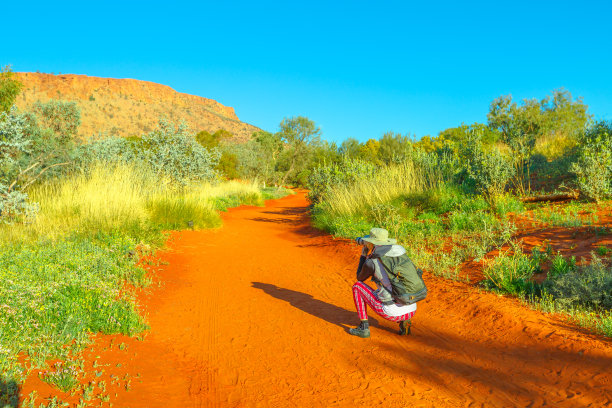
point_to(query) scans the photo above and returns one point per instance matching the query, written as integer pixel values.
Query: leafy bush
(170, 152)
(13, 143)
(324, 178)
(511, 272)
(561, 266)
(9, 89)
(585, 286)
(61, 117)
(490, 171)
(594, 166)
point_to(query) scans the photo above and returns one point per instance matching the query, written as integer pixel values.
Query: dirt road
(256, 315)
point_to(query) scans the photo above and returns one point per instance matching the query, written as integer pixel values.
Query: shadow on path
(9, 394)
(305, 302)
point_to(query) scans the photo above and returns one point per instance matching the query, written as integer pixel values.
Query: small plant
(64, 376)
(602, 250)
(511, 271)
(560, 265)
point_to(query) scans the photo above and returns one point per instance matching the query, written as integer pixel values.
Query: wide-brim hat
(379, 236)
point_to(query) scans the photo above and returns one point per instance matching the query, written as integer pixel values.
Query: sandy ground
(256, 315)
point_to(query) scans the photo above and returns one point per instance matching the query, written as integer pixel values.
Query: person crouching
(381, 256)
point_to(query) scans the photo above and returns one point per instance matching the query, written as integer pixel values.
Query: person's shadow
(9, 394)
(305, 302)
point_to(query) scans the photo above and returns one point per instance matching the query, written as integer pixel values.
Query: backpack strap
(385, 278)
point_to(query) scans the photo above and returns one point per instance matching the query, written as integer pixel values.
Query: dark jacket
(371, 267)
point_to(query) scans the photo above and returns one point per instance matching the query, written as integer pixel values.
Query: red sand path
(255, 315)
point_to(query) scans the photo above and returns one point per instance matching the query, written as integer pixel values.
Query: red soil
(256, 315)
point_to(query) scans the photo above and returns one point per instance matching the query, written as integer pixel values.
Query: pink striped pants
(363, 294)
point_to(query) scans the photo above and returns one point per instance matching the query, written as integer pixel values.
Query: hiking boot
(359, 332)
(363, 330)
(404, 327)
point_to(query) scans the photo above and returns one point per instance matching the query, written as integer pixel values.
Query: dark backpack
(406, 279)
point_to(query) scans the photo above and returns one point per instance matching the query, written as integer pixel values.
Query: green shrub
(324, 178)
(602, 250)
(585, 286)
(169, 152)
(594, 166)
(471, 221)
(9, 89)
(511, 272)
(509, 204)
(561, 266)
(490, 171)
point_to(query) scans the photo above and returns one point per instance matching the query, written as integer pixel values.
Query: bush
(13, 144)
(170, 152)
(511, 272)
(324, 178)
(489, 170)
(560, 265)
(594, 166)
(586, 286)
(61, 117)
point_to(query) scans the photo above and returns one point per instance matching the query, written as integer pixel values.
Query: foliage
(394, 148)
(298, 133)
(489, 170)
(325, 177)
(170, 152)
(62, 118)
(9, 89)
(511, 271)
(228, 165)
(210, 141)
(594, 166)
(13, 143)
(561, 265)
(588, 286)
(520, 127)
(56, 292)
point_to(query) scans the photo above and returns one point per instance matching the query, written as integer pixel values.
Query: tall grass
(120, 197)
(388, 184)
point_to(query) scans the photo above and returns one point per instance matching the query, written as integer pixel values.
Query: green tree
(350, 148)
(520, 126)
(9, 89)
(298, 133)
(213, 140)
(61, 117)
(369, 151)
(394, 147)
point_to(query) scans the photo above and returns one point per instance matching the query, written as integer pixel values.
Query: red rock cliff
(127, 107)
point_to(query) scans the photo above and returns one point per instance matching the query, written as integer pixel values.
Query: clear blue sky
(357, 68)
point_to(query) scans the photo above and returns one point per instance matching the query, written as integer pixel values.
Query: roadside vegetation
(460, 202)
(80, 221)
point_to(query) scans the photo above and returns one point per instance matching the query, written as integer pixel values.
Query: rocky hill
(128, 107)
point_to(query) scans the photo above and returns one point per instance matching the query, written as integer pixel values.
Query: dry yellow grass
(389, 183)
(111, 198)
